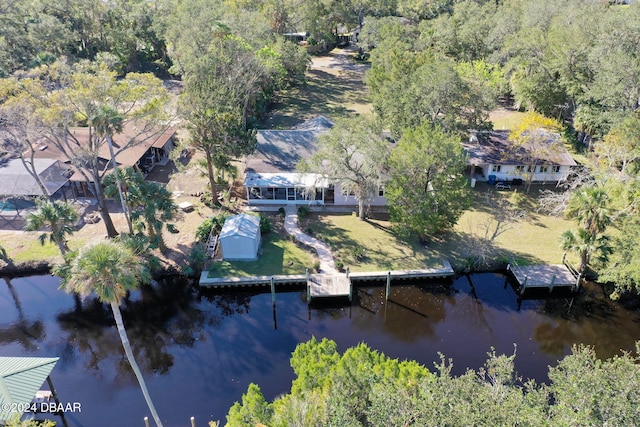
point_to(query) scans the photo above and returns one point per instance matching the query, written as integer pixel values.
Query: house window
(519, 169)
(544, 169)
(555, 169)
(531, 169)
(348, 191)
(381, 190)
(496, 168)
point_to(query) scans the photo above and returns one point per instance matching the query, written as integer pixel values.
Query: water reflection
(27, 333)
(199, 349)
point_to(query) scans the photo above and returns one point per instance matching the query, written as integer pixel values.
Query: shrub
(196, 260)
(339, 265)
(281, 211)
(359, 253)
(265, 224)
(303, 211)
(309, 230)
(213, 223)
(316, 266)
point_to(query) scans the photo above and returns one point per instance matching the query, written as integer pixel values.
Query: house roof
(20, 379)
(15, 179)
(281, 150)
(241, 225)
(496, 148)
(286, 179)
(137, 135)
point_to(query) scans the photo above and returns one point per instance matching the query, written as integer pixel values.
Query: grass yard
(334, 88)
(26, 247)
(505, 118)
(534, 238)
(379, 247)
(279, 256)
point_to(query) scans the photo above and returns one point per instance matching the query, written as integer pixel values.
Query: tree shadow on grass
(468, 252)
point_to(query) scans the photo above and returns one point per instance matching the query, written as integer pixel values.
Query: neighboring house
(271, 177)
(240, 238)
(146, 149)
(493, 157)
(17, 181)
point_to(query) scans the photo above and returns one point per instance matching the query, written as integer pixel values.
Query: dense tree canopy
(427, 191)
(353, 154)
(363, 387)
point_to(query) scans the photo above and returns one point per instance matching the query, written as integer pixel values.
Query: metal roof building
(15, 179)
(240, 237)
(20, 379)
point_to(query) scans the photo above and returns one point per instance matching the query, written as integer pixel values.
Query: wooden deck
(327, 285)
(543, 276)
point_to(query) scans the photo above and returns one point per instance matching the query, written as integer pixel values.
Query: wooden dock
(327, 285)
(549, 276)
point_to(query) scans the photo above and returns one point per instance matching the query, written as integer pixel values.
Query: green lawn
(381, 248)
(534, 238)
(28, 248)
(279, 256)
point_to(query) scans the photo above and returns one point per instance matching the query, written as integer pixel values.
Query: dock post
(146, 421)
(388, 285)
(273, 291)
(347, 271)
(193, 421)
(307, 273)
(523, 285)
(578, 281)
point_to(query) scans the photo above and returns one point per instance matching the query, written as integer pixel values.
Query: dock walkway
(327, 285)
(543, 276)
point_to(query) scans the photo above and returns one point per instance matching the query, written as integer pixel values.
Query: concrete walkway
(324, 253)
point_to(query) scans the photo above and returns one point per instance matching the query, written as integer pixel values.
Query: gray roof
(241, 225)
(20, 379)
(15, 179)
(281, 150)
(495, 148)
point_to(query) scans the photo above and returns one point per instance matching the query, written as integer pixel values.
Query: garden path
(324, 252)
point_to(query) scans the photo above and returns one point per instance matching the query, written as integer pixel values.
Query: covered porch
(285, 188)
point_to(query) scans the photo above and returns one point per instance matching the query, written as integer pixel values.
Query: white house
(240, 238)
(492, 157)
(271, 177)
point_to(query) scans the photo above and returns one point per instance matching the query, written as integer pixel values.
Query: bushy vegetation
(214, 223)
(363, 387)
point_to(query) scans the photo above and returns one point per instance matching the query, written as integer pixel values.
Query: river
(200, 349)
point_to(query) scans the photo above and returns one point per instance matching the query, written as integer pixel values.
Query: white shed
(240, 238)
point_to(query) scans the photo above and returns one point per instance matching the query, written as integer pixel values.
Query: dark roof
(495, 148)
(281, 150)
(15, 179)
(139, 136)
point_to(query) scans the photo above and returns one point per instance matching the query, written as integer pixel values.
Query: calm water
(200, 350)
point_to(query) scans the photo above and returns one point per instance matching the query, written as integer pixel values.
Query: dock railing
(574, 271)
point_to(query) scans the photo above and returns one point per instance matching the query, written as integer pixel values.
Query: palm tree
(106, 122)
(586, 245)
(590, 206)
(59, 216)
(111, 269)
(150, 204)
